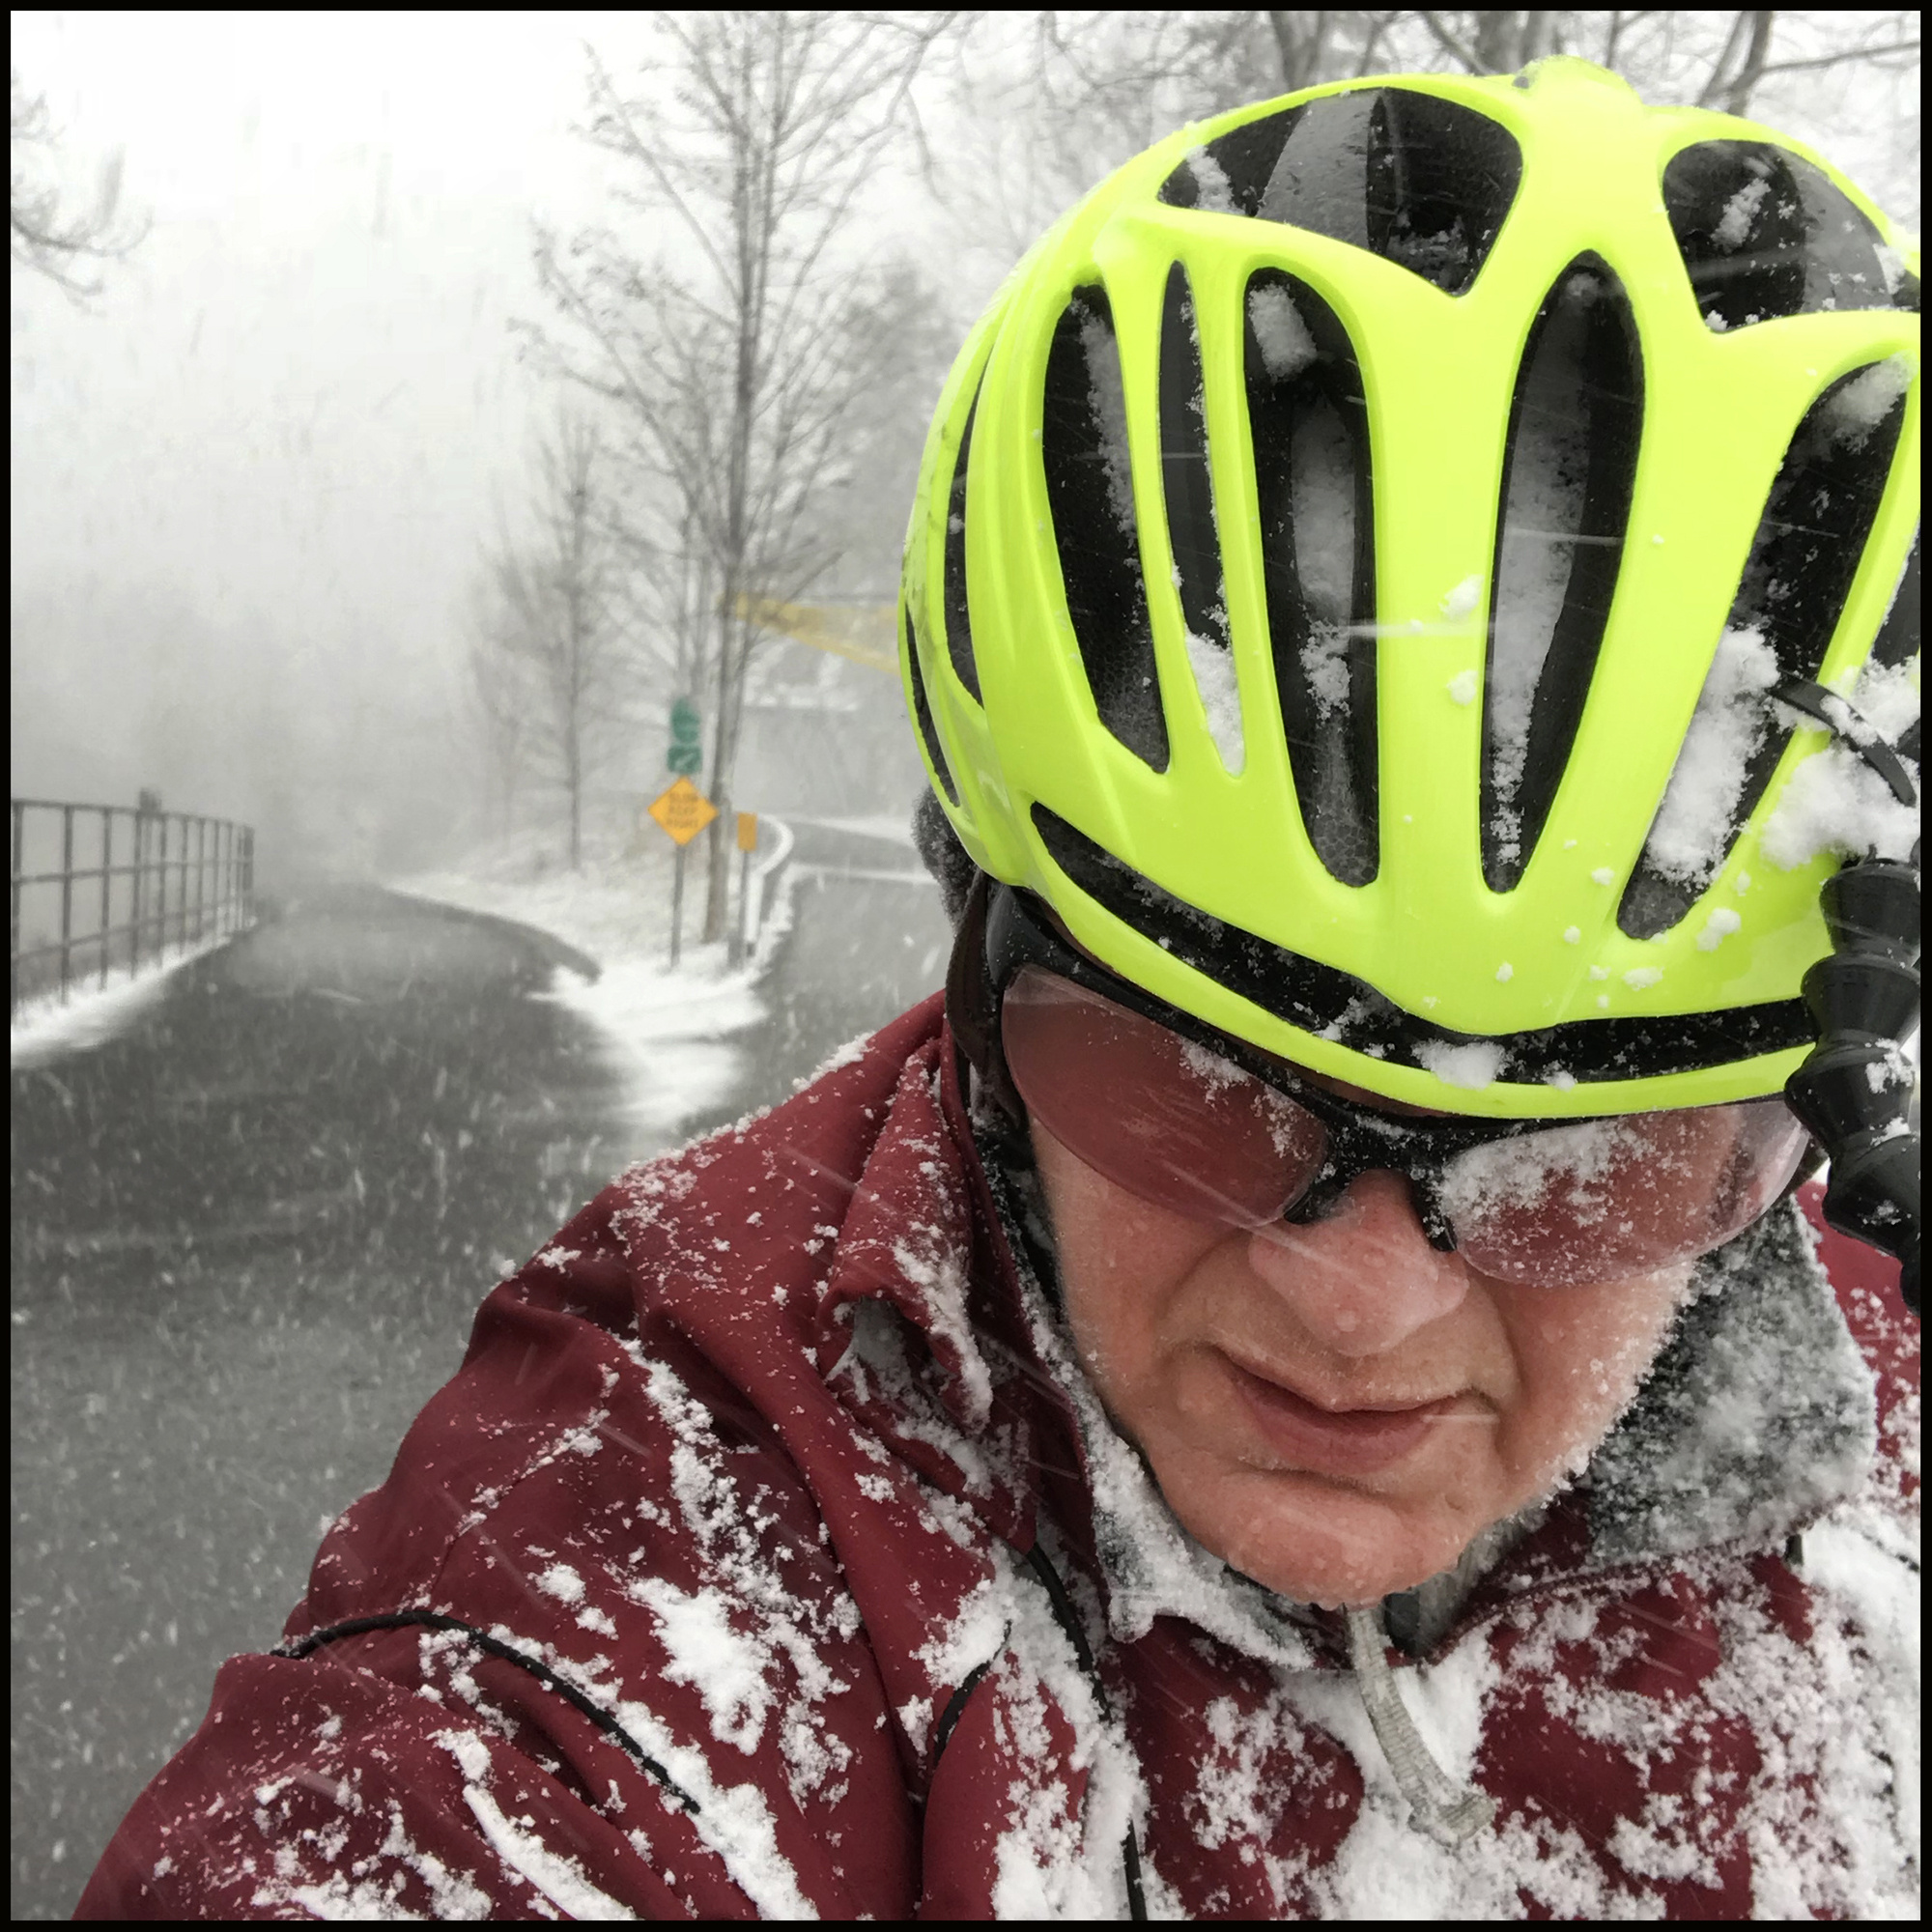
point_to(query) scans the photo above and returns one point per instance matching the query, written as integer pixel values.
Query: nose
(1364, 1278)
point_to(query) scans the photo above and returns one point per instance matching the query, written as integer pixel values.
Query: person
(1300, 1385)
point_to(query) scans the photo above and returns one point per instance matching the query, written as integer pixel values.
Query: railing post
(67, 894)
(161, 897)
(222, 900)
(13, 984)
(106, 887)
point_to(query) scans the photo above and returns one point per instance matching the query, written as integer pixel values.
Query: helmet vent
(958, 627)
(1230, 175)
(1568, 470)
(1765, 234)
(1803, 561)
(1188, 485)
(1090, 492)
(1898, 638)
(1312, 484)
(921, 709)
(1419, 180)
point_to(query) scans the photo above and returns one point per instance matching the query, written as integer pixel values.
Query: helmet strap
(972, 1010)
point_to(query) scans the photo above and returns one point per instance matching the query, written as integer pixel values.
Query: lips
(1334, 1442)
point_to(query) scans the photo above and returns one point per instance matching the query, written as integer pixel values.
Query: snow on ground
(45, 1029)
(895, 827)
(668, 1033)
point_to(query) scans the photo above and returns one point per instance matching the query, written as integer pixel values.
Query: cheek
(1121, 1264)
(1580, 1354)
(1121, 1274)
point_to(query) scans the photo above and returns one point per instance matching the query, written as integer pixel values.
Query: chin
(1314, 1543)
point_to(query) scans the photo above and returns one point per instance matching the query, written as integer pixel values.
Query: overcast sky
(251, 480)
(260, 464)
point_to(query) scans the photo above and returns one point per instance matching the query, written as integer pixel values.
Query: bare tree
(497, 690)
(46, 238)
(1886, 42)
(670, 591)
(756, 137)
(1741, 65)
(1496, 42)
(1717, 60)
(663, 596)
(1045, 114)
(551, 657)
(900, 338)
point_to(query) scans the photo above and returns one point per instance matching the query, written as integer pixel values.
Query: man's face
(1337, 1409)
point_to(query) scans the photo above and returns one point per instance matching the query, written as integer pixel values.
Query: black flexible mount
(1854, 1090)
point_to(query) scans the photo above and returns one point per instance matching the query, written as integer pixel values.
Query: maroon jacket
(767, 1556)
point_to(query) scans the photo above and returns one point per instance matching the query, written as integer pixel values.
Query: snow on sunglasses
(1209, 1128)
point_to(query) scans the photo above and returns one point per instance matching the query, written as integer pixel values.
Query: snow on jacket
(769, 1556)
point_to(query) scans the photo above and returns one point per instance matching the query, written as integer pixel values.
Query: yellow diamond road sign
(683, 811)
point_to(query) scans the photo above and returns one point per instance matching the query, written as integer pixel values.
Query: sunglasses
(1211, 1128)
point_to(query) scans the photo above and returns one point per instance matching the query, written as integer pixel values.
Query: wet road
(868, 938)
(248, 1236)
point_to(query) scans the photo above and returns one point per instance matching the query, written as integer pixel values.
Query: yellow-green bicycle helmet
(1354, 554)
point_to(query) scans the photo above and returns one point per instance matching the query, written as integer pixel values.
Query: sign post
(684, 811)
(743, 935)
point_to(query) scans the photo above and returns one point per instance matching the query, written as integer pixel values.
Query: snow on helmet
(1354, 554)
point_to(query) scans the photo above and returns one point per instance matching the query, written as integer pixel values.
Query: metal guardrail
(185, 879)
(754, 902)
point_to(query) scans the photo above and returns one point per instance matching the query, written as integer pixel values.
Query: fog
(249, 480)
(251, 477)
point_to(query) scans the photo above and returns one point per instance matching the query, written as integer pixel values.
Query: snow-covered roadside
(668, 1035)
(893, 827)
(44, 1029)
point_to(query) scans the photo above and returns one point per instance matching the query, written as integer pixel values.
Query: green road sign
(685, 755)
